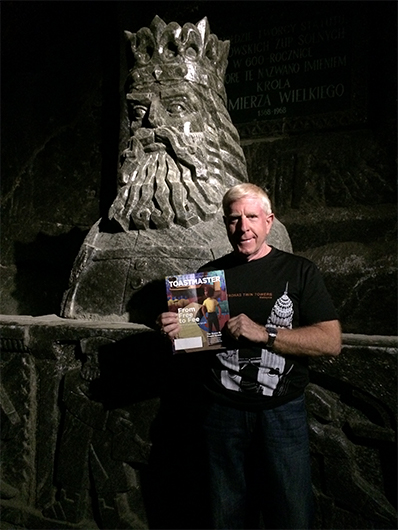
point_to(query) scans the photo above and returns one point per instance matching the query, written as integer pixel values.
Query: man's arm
(323, 338)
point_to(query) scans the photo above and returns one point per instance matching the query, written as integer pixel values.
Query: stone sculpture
(182, 154)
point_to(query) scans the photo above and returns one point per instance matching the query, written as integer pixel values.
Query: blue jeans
(259, 465)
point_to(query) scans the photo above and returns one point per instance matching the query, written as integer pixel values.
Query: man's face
(248, 226)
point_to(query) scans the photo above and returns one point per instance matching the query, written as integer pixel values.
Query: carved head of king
(182, 149)
(180, 153)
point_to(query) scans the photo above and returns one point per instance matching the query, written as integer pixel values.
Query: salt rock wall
(332, 178)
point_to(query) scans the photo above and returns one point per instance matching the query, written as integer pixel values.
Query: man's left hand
(242, 327)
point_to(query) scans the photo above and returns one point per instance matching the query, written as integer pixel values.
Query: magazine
(201, 301)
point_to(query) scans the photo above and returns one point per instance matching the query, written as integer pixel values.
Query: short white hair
(246, 189)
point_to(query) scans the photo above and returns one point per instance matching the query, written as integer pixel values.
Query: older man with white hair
(255, 421)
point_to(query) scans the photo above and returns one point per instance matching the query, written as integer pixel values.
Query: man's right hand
(169, 325)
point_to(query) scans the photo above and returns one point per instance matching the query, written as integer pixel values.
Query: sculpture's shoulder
(279, 237)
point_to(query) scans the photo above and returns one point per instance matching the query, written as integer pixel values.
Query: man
(255, 423)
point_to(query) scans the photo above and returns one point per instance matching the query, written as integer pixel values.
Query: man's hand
(168, 324)
(242, 327)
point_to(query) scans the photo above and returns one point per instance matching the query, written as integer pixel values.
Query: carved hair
(246, 189)
(230, 151)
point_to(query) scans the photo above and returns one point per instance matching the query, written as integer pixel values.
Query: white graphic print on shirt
(270, 368)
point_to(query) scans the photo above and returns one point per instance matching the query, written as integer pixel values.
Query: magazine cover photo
(201, 301)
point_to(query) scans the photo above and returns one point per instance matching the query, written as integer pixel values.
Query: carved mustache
(186, 148)
(167, 178)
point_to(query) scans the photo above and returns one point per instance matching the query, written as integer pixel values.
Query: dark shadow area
(146, 304)
(174, 479)
(132, 369)
(110, 107)
(371, 306)
(43, 270)
(176, 484)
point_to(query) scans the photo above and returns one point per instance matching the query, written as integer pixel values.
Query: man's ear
(270, 220)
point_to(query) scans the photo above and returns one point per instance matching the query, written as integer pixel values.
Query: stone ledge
(6, 321)
(54, 320)
(380, 341)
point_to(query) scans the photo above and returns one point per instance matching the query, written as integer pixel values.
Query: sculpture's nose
(157, 114)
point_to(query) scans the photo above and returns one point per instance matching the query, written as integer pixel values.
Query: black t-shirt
(280, 289)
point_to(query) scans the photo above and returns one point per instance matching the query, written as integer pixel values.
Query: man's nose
(157, 116)
(244, 225)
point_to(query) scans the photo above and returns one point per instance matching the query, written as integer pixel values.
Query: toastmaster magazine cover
(201, 301)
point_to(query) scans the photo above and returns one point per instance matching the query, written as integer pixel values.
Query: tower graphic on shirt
(282, 313)
(266, 373)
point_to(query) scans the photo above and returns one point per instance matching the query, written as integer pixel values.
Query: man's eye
(139, 112)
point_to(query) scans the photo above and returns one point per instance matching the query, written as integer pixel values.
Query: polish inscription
(301, 67)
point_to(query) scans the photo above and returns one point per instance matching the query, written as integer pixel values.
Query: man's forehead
(245, 204)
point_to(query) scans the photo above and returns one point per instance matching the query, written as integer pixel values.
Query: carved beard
(169, 178)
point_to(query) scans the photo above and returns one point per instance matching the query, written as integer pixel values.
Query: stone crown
(166, 53)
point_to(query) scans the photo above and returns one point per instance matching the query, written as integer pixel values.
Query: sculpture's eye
(138, 112)
(176, 107)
